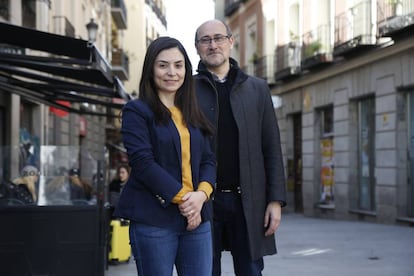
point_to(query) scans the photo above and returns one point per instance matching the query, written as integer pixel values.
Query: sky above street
(183, 17)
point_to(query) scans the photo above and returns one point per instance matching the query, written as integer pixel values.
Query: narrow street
(320, 247)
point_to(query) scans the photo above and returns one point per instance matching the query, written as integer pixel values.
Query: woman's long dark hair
(185, 98)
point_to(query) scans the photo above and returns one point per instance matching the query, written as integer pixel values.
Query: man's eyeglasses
(218, 39)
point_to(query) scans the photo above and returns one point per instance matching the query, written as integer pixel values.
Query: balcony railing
(120, 64)
(353, 28)
(288, 60)
(119, 13)
(394, 16)
(264, 68)
(317, 47)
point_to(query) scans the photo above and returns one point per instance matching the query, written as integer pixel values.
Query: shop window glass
(410, 187)
(60, 178)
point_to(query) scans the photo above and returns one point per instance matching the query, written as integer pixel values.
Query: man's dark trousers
(230, 233)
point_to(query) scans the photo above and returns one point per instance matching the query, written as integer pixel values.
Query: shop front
(64, 230)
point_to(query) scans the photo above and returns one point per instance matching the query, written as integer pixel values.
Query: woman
(117, 184)
(122, 175)
(172, 176)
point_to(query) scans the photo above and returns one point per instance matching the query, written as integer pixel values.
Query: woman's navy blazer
(154, 155)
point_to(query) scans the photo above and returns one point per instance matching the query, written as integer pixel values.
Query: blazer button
(162, 201)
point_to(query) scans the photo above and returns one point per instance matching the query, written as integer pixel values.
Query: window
(4, 9)
(326, 115)
(29, 13)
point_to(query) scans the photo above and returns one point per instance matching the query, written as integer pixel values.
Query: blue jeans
(157, 250)
(230, 233)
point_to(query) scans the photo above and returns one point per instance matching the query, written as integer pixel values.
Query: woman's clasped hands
(191, 208)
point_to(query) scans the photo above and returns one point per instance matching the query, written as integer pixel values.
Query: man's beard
(217, 61)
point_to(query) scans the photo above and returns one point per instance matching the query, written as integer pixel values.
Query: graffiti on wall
(327, 171)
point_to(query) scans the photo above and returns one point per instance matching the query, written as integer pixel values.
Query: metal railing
(393, 15)
(288, 56)
(120, 63)
(119, 13)
(356, 22)
(317, 41)
(264, 68)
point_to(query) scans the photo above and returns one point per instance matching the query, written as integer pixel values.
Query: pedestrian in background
(122, 175)
(25, 190)
(250, 188)
(67, 188)
(173, 168)
(117, 184)
(79, 190)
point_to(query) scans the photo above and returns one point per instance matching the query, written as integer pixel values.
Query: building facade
(146, 21)
(341, 72)
(29, 119)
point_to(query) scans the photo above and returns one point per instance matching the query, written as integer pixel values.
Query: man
(250, 174)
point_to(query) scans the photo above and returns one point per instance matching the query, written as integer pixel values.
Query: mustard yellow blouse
(187, 182)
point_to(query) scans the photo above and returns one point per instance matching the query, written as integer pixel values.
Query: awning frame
(69, 69)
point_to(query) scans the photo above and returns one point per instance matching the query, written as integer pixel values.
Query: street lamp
(92, 28)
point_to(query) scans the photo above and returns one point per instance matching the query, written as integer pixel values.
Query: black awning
(70, 69)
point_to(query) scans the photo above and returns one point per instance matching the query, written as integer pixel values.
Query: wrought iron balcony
(264, 68)
(317, 48)
(353, 30)
(120, 64)
(395, 18)
(119, 13)
(288, 61)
